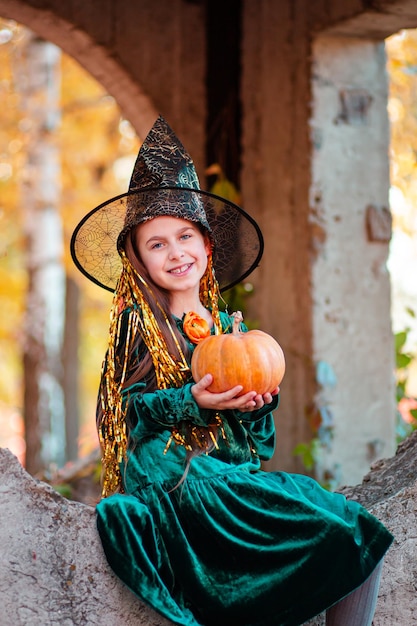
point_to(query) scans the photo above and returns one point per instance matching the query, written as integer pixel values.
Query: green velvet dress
(232, 545)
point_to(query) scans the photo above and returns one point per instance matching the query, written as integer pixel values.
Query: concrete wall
(150, 55)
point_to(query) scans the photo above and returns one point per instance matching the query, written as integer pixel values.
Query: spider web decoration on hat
(238, 241)
(93, 244)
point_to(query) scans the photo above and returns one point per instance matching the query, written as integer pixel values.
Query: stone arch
(137, 106)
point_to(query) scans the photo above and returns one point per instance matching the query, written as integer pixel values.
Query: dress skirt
(241, 548)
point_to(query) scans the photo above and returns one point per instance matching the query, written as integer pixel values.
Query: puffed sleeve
(260, 427)
(151, 412)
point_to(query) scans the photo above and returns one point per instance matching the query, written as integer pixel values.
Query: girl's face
(174, 252)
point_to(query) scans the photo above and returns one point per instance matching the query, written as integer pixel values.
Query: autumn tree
(36, 78)
(401, 51)
(86, 173)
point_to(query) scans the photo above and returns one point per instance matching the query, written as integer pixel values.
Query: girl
(188, 520)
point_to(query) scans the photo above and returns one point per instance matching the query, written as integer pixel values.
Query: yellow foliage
(401, 52)
(97, 148)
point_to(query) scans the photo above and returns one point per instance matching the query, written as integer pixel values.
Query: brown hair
(144, 369)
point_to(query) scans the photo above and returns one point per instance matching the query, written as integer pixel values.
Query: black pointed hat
(164, 182)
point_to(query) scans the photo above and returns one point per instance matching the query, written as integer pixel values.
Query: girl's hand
(260, 400)
(250, 401)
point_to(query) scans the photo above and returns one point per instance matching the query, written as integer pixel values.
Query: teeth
(179, 270)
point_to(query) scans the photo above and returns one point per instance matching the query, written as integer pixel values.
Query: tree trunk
(36, 74)
(70, 369)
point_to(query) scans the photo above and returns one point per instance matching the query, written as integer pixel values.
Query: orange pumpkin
(252, 359)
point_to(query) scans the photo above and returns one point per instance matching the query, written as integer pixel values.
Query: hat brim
(238, 241)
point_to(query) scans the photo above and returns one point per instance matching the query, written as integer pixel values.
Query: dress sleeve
(260, 427)
(164, 407)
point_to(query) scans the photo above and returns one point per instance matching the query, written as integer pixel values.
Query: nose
(176, 251)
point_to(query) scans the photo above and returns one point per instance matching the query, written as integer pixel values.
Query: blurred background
(65, 147)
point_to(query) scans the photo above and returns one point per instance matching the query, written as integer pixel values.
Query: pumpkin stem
(237, 319)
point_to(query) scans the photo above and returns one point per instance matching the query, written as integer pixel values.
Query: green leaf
(413, 413)
(403, 360)
(305, 451)
(400, 390)
(64, 490)
(400, 339)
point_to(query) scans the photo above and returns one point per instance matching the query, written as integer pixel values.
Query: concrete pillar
(353, 344)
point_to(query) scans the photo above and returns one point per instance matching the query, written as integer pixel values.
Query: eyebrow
(180, 231)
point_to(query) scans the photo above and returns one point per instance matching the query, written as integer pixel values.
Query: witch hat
(164, 182)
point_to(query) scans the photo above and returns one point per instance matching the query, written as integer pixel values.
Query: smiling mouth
(181, 270)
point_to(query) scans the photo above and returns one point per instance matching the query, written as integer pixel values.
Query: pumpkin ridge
(245, 370)
(264, 355)
(231, 356)
(272, 370)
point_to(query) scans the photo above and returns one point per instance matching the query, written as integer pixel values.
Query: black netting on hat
(238, 239)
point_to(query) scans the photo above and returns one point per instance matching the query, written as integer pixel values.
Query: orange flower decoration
(195, 327)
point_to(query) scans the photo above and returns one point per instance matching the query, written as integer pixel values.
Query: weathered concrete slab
(389, 491)
(53, 570)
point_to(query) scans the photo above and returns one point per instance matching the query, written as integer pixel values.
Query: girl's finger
(204, 382)
(230, 393)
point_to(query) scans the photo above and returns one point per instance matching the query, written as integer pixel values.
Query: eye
(186, 236)
(156, 246)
